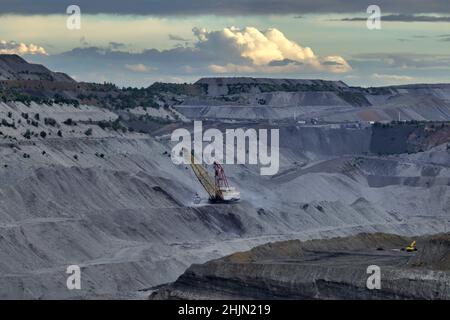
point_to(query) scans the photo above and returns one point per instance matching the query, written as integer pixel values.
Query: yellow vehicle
(411, 247)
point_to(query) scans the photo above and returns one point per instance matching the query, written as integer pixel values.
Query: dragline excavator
(218, 188)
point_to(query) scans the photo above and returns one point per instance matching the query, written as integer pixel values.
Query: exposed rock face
(89, 192)
(408, 138)
(259, 98)
(13, 67)
(227, 86)
(238, 98)
(123, 211)
(322, 269)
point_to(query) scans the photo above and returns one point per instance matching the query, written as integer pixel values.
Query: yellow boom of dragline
(218, 189)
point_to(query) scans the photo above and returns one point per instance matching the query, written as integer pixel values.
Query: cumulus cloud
(229, 51)
(12, 47)
(252, 50)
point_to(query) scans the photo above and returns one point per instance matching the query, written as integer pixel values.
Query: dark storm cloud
(405, 18)
(221, 7)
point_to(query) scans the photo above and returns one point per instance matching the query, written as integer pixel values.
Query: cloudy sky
(137, 42)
